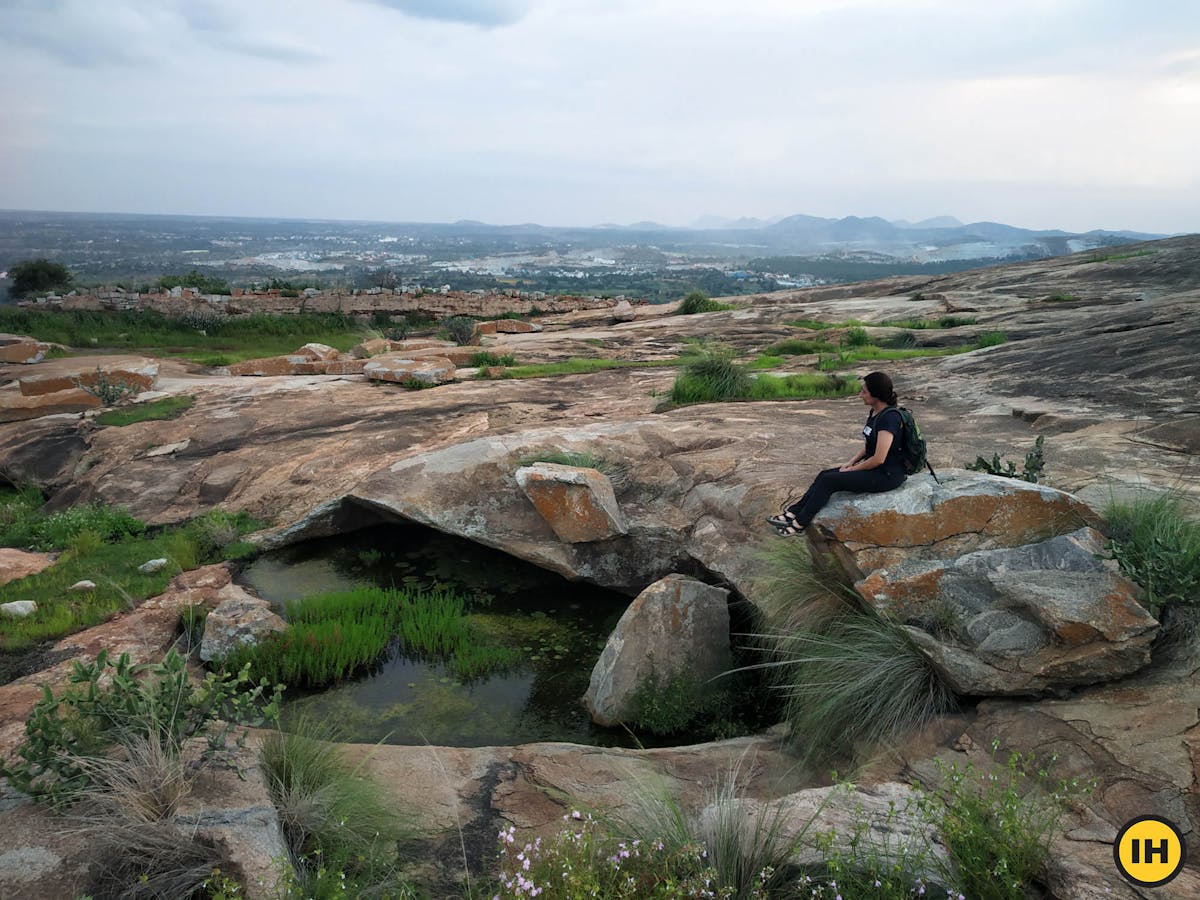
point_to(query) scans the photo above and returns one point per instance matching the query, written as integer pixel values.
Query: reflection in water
(559, 627)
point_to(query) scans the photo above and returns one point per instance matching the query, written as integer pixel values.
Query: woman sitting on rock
(877, 467)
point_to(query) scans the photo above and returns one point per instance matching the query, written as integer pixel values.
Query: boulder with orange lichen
(978, 570)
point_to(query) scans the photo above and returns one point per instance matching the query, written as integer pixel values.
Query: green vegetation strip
(332, 636)
(1158, 546)
(166, 408)
(714, 377)
(104, 546)
(210, 339)
(581, 366)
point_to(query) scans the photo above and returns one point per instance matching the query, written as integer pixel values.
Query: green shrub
(683, 703)
(112, 524)
(1060, 298)
(166, 408)
(107, 703)
(710, 377)
(847, 674)
(991, 339)
(997, 828)
(1031, 471)
(85, 543)
(856, 337)
(696, 301)
(1158, 546)
(486, 358)
(460, 329)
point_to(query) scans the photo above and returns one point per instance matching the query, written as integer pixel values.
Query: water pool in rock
(559, 628)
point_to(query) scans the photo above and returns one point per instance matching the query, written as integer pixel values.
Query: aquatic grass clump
(335, 635)
(1157, 544)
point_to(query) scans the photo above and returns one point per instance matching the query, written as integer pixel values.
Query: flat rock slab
(137, 372)
(24, 353)
(16, 564)
(400, 367)
(17, 407)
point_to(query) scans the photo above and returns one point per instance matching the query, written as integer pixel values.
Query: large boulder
(925, 519)
(15, 564)
(577, 503)
(998, 599)
(295, 364)
(677, 627)
(239, 620)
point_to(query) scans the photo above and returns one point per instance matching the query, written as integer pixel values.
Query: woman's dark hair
(880, 387)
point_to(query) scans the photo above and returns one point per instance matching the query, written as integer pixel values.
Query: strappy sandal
(783, 520)
(785, 530)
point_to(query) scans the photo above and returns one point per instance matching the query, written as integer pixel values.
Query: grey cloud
(271, 51)
(487, 13)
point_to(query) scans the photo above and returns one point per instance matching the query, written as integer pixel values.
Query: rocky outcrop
(996, 609)
(577, 503)
(294, 364)
(677, 627)
(239, 620)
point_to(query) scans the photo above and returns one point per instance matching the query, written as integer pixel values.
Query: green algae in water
(411, 697)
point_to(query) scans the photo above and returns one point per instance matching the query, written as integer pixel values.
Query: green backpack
(912, 445)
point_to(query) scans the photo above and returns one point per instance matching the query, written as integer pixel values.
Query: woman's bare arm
(882, 446)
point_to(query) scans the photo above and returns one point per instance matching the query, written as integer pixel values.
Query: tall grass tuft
(860, 679)
(617, 472)
(711, 376)
(1158, 546)
(848, 675)
(334, 818)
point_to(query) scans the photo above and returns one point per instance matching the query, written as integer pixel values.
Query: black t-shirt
(888, 420)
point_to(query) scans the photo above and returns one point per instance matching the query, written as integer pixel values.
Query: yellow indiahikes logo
(1149, 850)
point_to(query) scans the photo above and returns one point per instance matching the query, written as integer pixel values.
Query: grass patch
(681, 703)
(333, 636)
(765, 361)
(166, 408)
(105, 546)
(584, 366)
(713, 377)
(1157, 545)
(1060, 298)
(797, 347)
(207, 339)
(923, 324)
(485, 358)
(991, 339)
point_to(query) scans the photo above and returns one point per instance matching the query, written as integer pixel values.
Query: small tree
(37, 275)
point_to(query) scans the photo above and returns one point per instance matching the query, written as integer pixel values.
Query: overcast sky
(1074, 114)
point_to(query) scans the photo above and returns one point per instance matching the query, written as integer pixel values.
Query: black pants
(829, 481)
